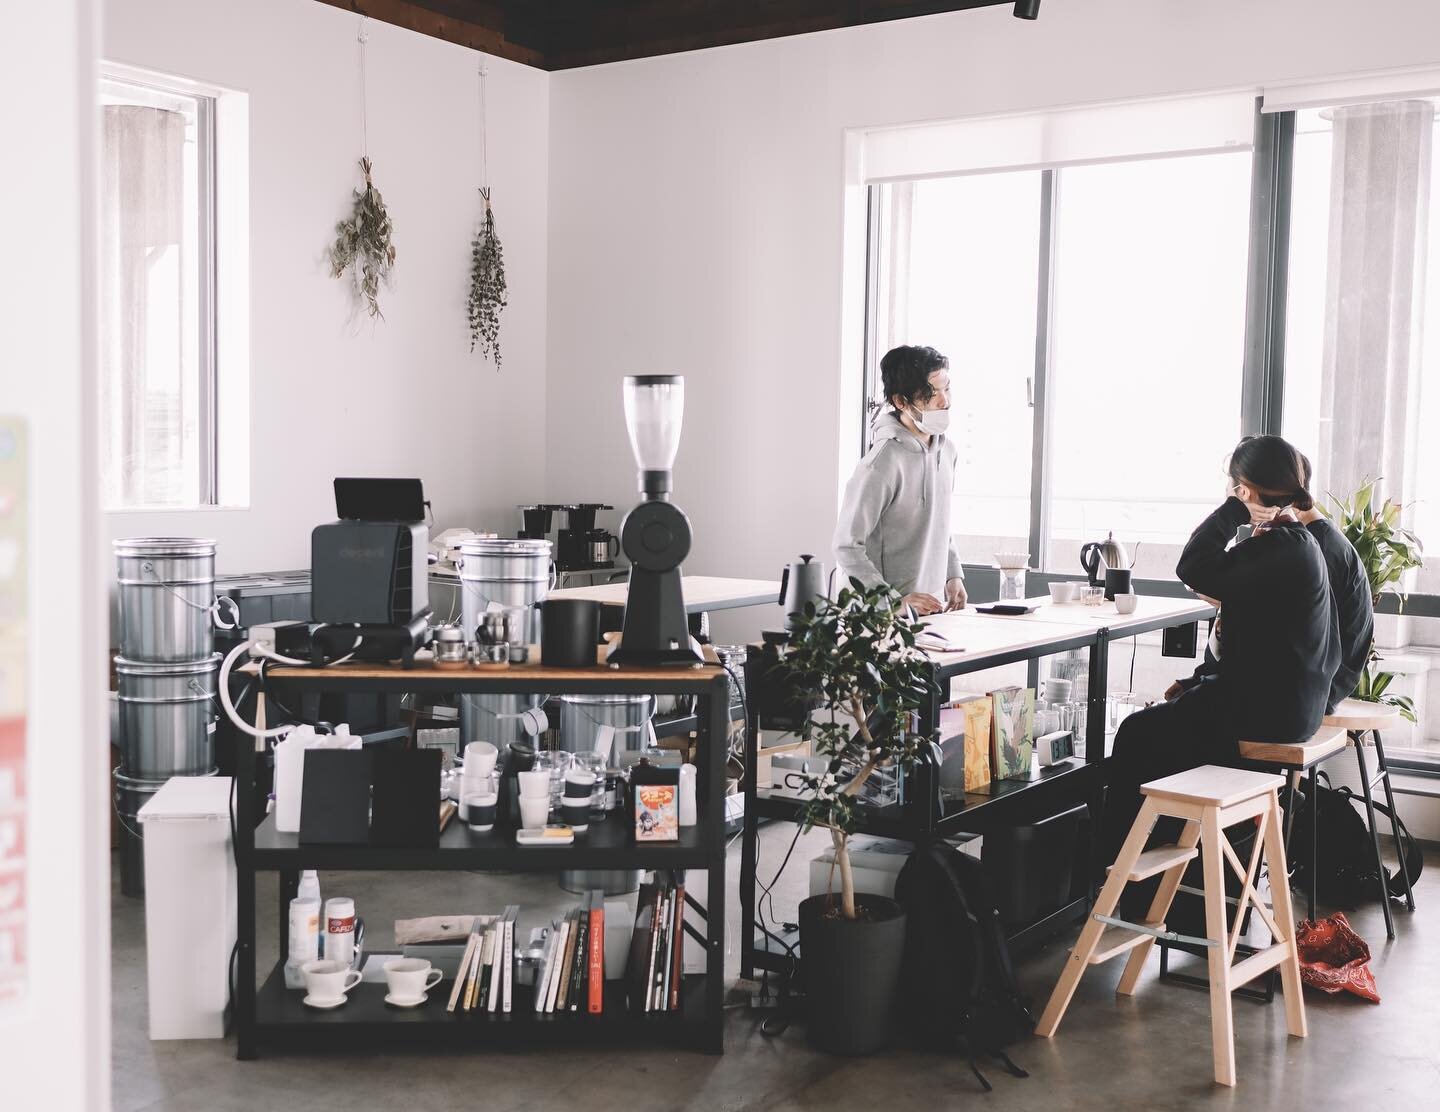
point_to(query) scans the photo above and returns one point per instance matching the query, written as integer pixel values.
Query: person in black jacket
(1350, 593)
(1279, 640)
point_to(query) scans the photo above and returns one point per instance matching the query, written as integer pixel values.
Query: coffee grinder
(655, 535)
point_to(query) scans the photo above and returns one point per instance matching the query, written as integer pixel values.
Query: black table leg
(1314, 846)
(749, 850)
(1375, 840)
(1383, 768)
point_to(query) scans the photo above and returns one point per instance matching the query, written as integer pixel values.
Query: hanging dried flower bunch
(487, 286)
(363, 243)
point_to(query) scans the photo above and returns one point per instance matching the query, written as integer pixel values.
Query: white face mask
(932, 422)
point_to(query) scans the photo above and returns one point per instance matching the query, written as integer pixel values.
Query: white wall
(696, 211)
(329, 396)
(55, 1042)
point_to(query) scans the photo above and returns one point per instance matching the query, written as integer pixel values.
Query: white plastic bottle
(310, 890)
(688, 815)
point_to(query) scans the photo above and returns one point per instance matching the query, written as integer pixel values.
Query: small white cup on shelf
(1127, 602)
(1062, 591)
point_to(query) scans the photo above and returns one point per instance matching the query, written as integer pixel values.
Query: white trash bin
(189, 906)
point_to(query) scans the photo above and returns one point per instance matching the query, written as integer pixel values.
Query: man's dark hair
(905, 371)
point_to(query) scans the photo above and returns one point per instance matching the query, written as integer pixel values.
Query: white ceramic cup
(480, 758)
(535, 785)
(1063, 591)
(534, 810)
(409, 979)
(327, 982)
(1126, 603)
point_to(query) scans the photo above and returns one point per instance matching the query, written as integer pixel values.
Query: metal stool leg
(1383, 769)
(1375, 838)
(1292, 788)
(1314, 847)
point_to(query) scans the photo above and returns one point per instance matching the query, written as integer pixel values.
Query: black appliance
(575, 544)
(655, 534)
(537, 520)
(369, 570)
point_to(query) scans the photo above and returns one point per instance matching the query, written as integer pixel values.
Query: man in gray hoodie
(894, 522)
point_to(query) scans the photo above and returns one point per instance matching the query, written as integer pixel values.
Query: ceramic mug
(480, 811)
(409, 979)
(534, 810)
(327, 981)
(1127, 602)
(1062, 592)
(535, 784)
(480, 758)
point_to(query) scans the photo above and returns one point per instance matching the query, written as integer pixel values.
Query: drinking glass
(557, 763)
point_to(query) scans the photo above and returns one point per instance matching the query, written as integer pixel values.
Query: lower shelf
(365, 1020)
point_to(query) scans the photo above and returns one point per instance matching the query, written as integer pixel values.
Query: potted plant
(855, 658)
(1387, 553)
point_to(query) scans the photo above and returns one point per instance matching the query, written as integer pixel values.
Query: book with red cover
(677, 957)
(597, 953)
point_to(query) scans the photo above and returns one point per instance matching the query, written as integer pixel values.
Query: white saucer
(312, 1002)
(412, 1002)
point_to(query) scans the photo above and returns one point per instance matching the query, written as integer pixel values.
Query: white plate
(413, 1002)
(312, 1002)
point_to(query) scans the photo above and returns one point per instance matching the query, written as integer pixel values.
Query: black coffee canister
(1117, 582)
(570, 632)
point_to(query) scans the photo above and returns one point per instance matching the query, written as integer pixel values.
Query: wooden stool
(1209, 799)
(1359, 719)
(1296, 759)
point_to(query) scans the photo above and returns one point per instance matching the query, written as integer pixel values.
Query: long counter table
(981, 642)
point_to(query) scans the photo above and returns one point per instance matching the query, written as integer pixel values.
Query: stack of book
(486, 980)
(571, 975)
(655, 970)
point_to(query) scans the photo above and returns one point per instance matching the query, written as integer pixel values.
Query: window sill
(120, 511)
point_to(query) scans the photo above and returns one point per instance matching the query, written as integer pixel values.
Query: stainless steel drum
(167, 717)
(130, 795)
(504, 573)
(581, 717)
(166, 597)
(510, 574)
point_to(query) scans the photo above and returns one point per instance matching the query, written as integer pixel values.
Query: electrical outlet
(268, 638)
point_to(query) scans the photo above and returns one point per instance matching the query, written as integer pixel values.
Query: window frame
(207, 305)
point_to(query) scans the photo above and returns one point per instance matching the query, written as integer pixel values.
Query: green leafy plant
(488, 293)
(363, 244)
(855, 658)
(1387, 551)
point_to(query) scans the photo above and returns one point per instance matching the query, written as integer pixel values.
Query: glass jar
(557, 763)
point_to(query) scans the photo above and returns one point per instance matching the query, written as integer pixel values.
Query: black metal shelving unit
(272, 1016)
(1008, 801)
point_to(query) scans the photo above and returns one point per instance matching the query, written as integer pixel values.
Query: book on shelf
(677, 951)
(582, 958)
(662, 950)
(596, 957)
(567, 967)
(542, 975)
(507, 991)
(1012, 733)
(459, 985)
(557, 965)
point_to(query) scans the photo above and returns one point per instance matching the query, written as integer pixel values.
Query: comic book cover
(965, 745)
(657, 817)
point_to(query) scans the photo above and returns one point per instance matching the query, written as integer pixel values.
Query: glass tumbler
(557, 763)
(594, 763)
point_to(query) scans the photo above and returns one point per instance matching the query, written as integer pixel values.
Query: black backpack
(958, 983)
(1345, 870)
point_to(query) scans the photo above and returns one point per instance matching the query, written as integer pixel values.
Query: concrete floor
(1151, 1051)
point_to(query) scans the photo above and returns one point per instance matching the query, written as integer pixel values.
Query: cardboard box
(874, 865)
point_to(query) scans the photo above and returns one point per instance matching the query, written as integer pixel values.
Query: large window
(1080, 290)
(157, 289)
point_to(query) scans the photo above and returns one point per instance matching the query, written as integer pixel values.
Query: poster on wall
(13, 580)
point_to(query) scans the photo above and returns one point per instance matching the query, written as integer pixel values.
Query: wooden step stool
(1209, 799)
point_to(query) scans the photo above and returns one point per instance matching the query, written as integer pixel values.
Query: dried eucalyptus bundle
(363, 242)
(487, 286)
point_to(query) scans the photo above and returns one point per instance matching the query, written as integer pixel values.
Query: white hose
(224, 685)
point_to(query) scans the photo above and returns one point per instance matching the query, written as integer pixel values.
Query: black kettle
(801, 583)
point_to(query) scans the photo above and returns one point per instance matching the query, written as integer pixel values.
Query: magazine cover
(1012, 732)
(965, 746)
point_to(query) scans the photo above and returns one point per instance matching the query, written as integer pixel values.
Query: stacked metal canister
(166, 674)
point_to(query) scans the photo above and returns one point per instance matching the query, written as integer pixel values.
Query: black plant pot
(852, 973)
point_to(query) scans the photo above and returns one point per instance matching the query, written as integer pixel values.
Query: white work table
(702, 593)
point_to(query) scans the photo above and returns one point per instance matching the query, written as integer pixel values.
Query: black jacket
(1350, 590)
(1280, 645)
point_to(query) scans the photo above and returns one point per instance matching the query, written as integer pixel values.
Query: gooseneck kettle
(1099, 556)
(800, 583)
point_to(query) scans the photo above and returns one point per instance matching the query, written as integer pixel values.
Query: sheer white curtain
(142, 334)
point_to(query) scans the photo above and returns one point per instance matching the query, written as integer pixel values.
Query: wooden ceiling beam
(447, 19)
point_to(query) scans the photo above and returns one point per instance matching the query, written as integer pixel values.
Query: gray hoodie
(894, 523)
